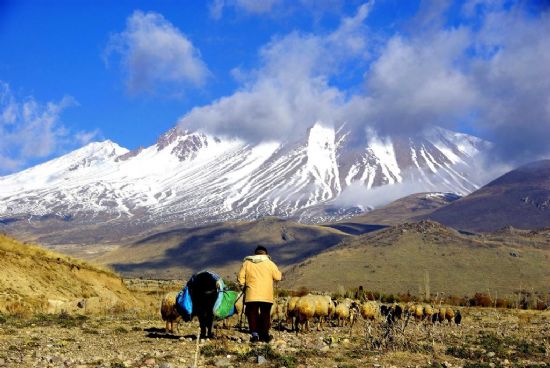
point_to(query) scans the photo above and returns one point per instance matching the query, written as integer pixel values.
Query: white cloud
(488, 71)
(31, 130)
(290, 90)
(156, 55)
(512, 75)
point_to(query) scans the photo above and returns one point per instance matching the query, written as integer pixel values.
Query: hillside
(180, 252)
(520, 198)
(402, 210)
(33, 279)
(399, 258)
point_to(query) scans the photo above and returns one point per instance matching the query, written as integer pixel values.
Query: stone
(165, 365)
(223, 362)
(150, 362)
(261, 359)
(325, 348)
(491, 354)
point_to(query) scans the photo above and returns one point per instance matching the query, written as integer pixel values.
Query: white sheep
(310, 306)
(344, 312)
(279, 311)
(370, 310)
(291, 313)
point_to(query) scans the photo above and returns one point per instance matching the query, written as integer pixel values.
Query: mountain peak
(192, 178)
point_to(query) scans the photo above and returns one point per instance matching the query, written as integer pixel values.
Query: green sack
(225, 304)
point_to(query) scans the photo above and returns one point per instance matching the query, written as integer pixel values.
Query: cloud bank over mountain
(483, 72)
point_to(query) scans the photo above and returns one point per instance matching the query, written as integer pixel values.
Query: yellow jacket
(257, 274)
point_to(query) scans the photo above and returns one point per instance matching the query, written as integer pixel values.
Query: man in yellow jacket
(256, 277)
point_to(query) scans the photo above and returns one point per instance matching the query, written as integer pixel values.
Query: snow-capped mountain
(194, 178)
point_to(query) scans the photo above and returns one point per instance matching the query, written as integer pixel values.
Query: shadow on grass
(212, 246)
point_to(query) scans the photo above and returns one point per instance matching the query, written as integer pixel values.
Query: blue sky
(76, 71)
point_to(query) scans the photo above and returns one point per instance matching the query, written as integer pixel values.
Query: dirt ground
(486, 338)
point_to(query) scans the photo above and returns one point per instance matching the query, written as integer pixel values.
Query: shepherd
(256, 278)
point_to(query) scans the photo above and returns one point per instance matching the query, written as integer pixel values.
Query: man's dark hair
(260, 249)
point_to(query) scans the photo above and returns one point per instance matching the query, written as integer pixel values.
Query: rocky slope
(520, 198)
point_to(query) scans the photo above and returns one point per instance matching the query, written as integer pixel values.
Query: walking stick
(242, 309)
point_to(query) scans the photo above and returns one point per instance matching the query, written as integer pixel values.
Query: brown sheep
(428, 312)
(449, 315)
(169, 313)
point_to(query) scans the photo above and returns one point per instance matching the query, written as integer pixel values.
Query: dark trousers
(259, 317)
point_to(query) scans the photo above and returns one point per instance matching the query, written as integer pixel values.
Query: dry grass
(396, 260)
(38, 253)
(38, 280)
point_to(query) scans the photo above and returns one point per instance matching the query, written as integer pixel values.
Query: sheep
(291, 312)
(369, 310)
(169, 313)
(304, 311)
(446, 314)
(458, 318)
(428, 312)
(435, 316)
(279, 312)
(391, 313)
(343, 312)
(235, 319)
(415, 310)
(310, 306)
(449, 315)
(442, 314)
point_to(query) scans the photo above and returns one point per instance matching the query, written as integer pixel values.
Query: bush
(481, 300)
(302, 291)
(389, 298)
(504, 303)
(406, 298)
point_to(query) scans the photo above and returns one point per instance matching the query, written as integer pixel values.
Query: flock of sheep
(300, 311)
